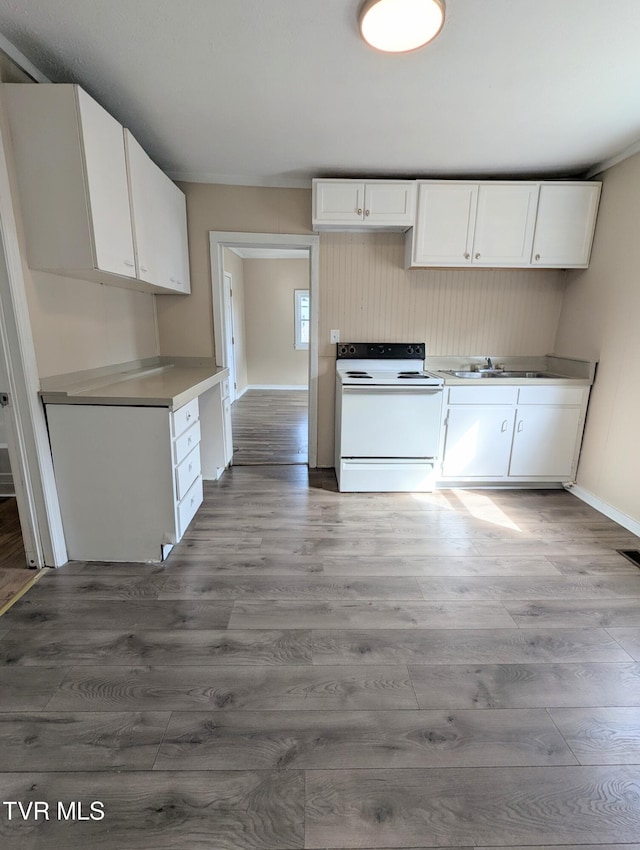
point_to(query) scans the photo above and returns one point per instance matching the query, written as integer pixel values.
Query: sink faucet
(489, 363)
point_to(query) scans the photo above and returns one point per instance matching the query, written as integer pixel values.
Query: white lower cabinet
(478, 442)
(129, 478)
(517, 434)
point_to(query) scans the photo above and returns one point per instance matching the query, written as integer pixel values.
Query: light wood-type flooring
(270, 427)
(312, 669)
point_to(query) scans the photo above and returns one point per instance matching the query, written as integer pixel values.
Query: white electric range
(388, 414)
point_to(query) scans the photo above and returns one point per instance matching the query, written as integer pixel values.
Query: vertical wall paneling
(367, 293)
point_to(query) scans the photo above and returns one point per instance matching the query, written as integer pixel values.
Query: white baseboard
(277, 387)
(608, 510)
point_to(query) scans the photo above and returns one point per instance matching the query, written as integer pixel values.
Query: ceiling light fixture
(398, 26)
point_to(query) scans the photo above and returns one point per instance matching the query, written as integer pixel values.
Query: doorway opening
(265, 324)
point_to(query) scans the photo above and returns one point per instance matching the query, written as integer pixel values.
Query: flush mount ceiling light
(398, 26)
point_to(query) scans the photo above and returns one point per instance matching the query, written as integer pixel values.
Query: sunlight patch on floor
(484, 508)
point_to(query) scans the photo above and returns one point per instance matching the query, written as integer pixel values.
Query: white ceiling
(272, 92)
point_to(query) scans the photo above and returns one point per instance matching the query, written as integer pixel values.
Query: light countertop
(160, 382)
(566, 371)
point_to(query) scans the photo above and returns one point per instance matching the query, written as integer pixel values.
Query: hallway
(270, 427)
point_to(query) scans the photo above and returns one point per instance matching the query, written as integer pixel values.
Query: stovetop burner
(354, 374)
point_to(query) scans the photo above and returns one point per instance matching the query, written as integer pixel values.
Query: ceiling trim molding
(240, 180)
(21, 60)
(614, 160)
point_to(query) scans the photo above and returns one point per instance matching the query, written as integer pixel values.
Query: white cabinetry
(72, 176)
(128, 478)
(159, 219)
(484, 224)
(509, 433)
(443, 233)
(505, 219)
(547, 426)
(76, 193)
(341, 204)
(565, 224)
(479, 430)
(510, 224)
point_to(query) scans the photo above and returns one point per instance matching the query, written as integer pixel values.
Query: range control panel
(380, 351)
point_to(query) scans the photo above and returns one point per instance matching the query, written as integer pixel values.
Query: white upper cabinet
(443, 233)
(78, 196)
(565, 224)
(480, 224)
(505, 220)
(341, 204)
(72, 179)
(159, 220)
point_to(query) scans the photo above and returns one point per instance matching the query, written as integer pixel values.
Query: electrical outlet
(334, 336)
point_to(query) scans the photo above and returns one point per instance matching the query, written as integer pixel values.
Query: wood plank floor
(318, 670)
(270, 427)
(13, 560)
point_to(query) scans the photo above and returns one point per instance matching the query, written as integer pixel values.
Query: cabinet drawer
(184, 416)
(551, 395)
(186, 442)
(189, 505)
(187, 472)
(483, 395)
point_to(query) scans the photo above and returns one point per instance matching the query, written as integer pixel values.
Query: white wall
(600, 320)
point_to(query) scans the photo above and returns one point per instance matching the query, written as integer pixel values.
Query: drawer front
(187, 472)
(483, 395)
(186, 442)
(189, 505)
(184, 417)
(551, 395)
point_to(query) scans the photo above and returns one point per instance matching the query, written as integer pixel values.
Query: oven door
(390, 421)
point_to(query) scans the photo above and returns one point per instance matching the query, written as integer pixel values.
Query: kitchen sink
(498, 373)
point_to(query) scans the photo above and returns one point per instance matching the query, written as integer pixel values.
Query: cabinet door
(107, 188)
(544, 442)
(174, 228)
(565, 224)
(145, 191)
(477, 442)
(338, 202)
(443, 234)
(505, 222)
(389, 203)
(160, 222)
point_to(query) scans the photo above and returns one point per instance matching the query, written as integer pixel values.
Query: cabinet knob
(467, 255)
(188, 416)
(144, 269)
(520, 426)
(359, 210)
(366, 212)
(477, 256)
(537, 256)
(505, 425)
(189, 441)
(129, 263)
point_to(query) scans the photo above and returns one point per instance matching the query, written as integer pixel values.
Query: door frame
(220, 239)
(230, 333)
(27, 437)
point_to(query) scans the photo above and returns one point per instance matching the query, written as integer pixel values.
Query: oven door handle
(390, 388)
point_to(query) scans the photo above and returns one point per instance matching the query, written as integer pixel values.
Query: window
(302, 323)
